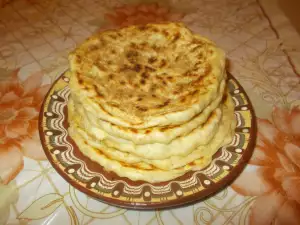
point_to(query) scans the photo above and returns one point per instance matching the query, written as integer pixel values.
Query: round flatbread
(136, 168)
(146, 76)
(180, 146)
(163, 135)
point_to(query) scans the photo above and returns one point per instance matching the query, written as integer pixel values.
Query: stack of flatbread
(149, 102)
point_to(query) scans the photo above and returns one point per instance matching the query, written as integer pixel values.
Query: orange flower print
(141, 14)
(20, 102)
(276, 177)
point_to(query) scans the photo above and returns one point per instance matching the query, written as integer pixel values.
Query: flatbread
(147, 102)
(163, 135)
(180, 146)
(134, 168)
(146, 76)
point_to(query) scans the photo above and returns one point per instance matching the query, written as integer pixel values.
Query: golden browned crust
(153, 69)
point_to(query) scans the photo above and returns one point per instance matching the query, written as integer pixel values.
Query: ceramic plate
(92, 179)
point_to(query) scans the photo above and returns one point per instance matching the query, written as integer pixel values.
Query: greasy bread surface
(146, 76)
(149, 135)
(181, 146)
(136, 168)
(149, 102)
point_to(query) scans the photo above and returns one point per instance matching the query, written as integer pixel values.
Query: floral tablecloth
(264, 54)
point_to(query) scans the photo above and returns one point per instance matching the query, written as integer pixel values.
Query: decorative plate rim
(186, 200)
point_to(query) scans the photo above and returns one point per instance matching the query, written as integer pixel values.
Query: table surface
(264, 55)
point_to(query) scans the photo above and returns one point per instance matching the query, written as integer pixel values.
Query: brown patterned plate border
(90, 178)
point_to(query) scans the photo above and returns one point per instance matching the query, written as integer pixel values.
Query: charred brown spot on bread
(122, 82)
(140, 97)
(169, 78)
(166, 33)
(191, 74)
(145, 75)
(186, 74)
(80, 81)
(153, 88)
(176, 92)
(114, 104)
(208, 69)
(137, 67)
(177, 58)
(210, 118)
(113, 36)
(176, 37)
(152, 60)
(197, 65)
(197, 41)
(100, 66)
(99, 93)
(113, 51)
(142, 108)
(78, 59)
(192, 164)
(132, 55)
(198, 82)
(154, 29)
(147, 131)
(164, 104)
(103, 42)
(183, 99)
(111, 76)
(134, 130)
(195, 92)
(164, 82)
(156, 48)
(154, 95)
(109, 62)
(143, 82)
(163, 63)
(163, 129)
